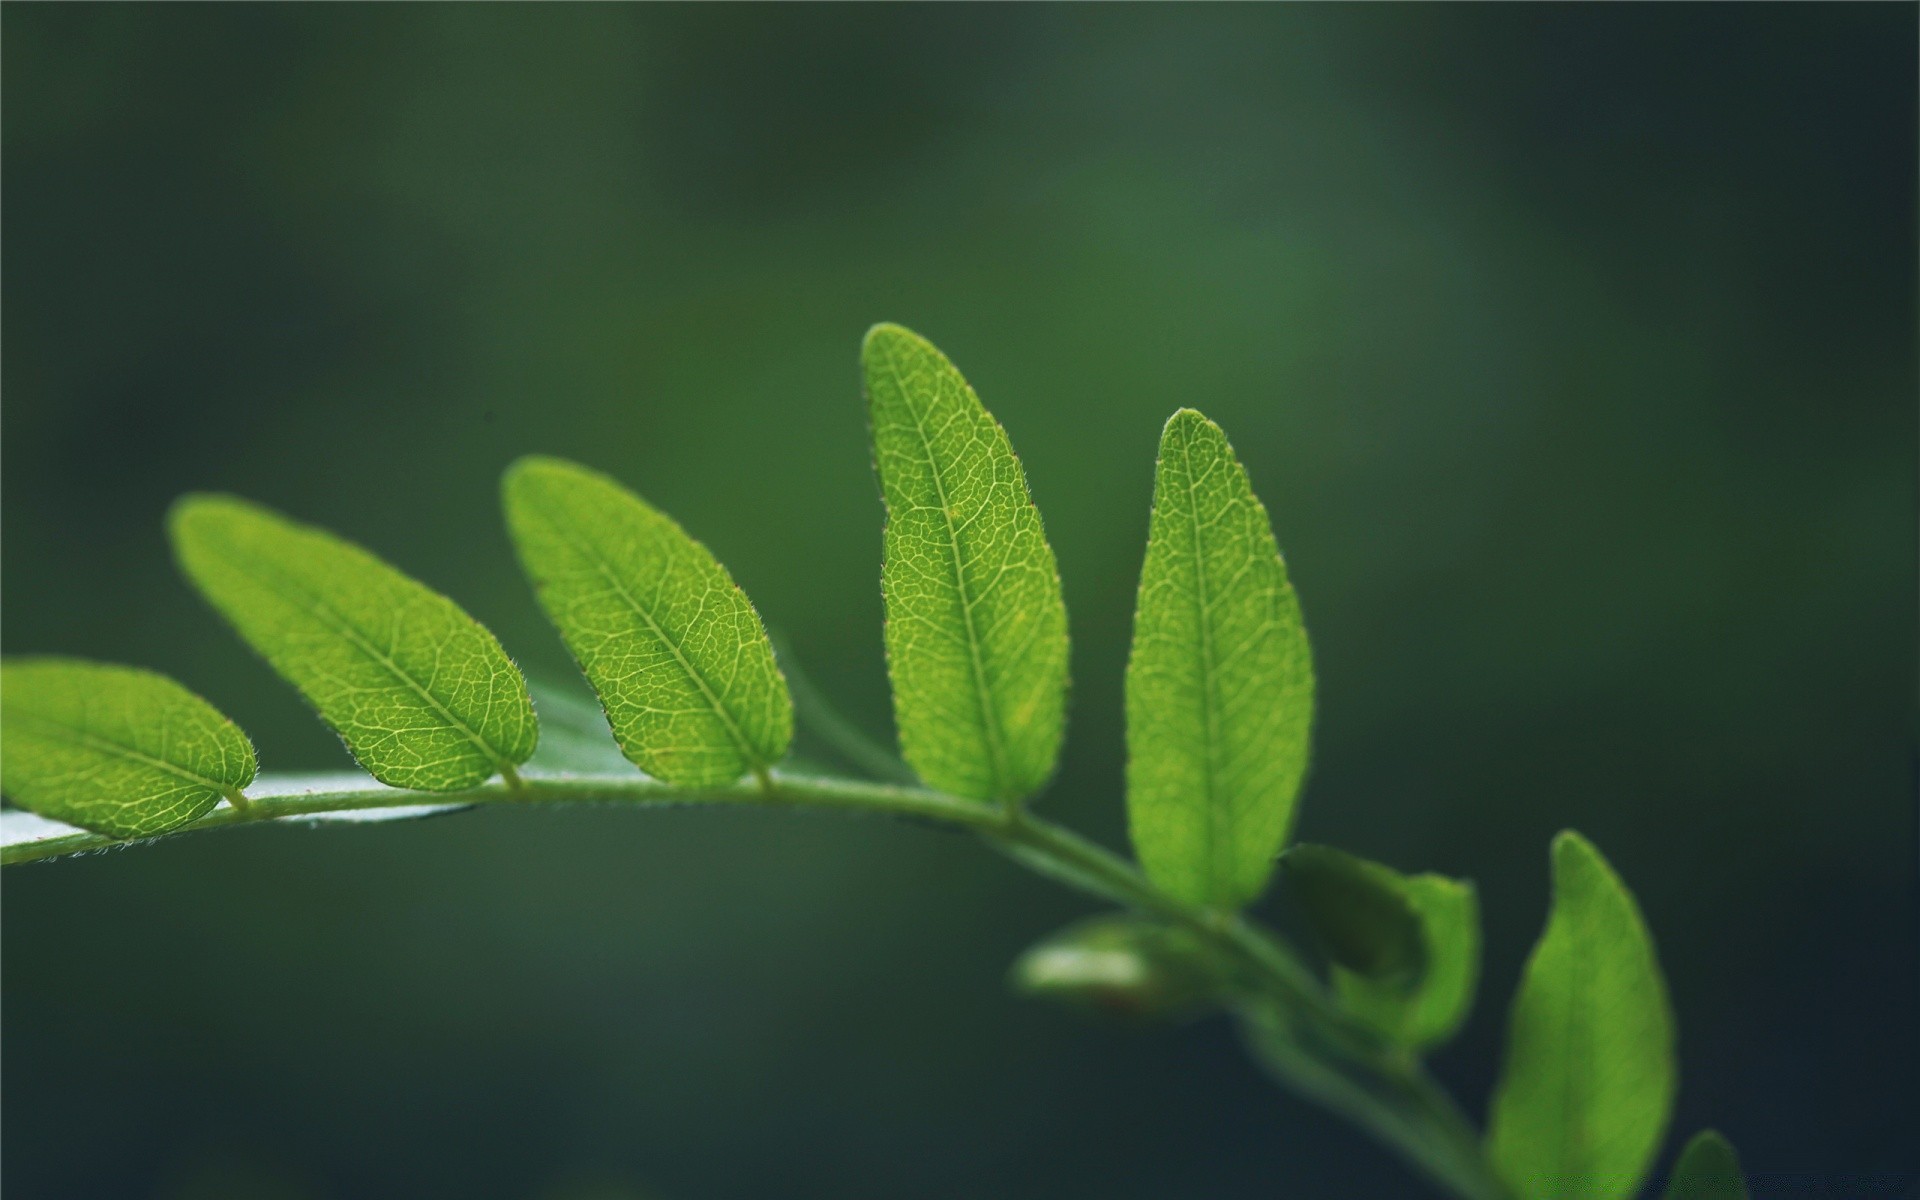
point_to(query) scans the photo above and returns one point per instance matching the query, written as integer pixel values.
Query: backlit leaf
(1589, 1077)
(421, 693)
(115, 750)
(1708, 1170)
(672, 647)
(976, 628)
(1220, 682)
(1350, 900)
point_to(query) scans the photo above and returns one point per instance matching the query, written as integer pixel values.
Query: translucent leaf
(115, 750)
(1434, 1010)
(1589, 1077)
(421, 693)
(1220, 682)
(1121, 966)
(976, 628)
(671, 646)
(1365, 914)
(1708, 1170)
(1360, 914)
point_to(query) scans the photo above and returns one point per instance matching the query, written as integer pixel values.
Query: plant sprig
(1219, 707)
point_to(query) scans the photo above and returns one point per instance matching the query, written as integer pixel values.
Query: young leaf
(670, 644)
(1589, 1076)
(115, 750)
(1708, 1170)
(1220, 681)
(1449, 917)
(1123, 966)
(1360, 913)
(976, 628)
(421, 693)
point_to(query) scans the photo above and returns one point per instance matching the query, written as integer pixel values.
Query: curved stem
(1294, 1027)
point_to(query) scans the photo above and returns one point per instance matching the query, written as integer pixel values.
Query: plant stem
(1293, 1027)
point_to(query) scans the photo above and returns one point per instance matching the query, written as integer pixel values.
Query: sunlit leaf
(421, 693)
(672, 647)
(1708, 1170)
(115, 750)
(1589, 1077)
(1220, 682)
(976, 628)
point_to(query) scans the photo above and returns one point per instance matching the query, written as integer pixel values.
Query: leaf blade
(1589, 1079)
(976, 624)
(673, 648)
(115, 750)
(422, 695)
(1219, 689)
(1708, 1170)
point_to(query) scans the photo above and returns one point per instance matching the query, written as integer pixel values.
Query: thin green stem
(1294, 1028)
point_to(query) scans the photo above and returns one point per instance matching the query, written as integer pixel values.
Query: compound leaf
(1708, 1170)
(422, 695)
(976, 627)
(1589, 1077)
(672, 647)
(1220, 680)
(115, 750)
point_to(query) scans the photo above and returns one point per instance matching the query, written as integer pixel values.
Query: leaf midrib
(1217, 837)
(603, 566)
(326, 614)
(94, 741)
(989, 722)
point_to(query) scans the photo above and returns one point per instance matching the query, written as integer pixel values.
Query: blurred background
(1572, 349)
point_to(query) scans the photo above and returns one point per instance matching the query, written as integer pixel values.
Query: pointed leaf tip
(976, 627)
(1219, 689)
(1589, 1078)
(421, 693)
(1708, 1170)
(673, 648)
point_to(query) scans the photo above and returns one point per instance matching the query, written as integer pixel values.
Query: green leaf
(976, 628)
(1220, 682)
(1449, 916)
(1360, 913)
(1589, 1076)
(1708, 1170)
(422, 695)
(672, 647)
(115, 750)
(1405, 949)
(1123, 966)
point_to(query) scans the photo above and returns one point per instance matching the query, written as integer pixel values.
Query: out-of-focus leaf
(1708, 1170)
(1589, 1077)
(1121, 966)
(1434, 1009)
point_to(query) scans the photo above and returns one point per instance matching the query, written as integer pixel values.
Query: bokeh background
(1572, 349)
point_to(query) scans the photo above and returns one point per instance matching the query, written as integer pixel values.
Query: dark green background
(1572, 349)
